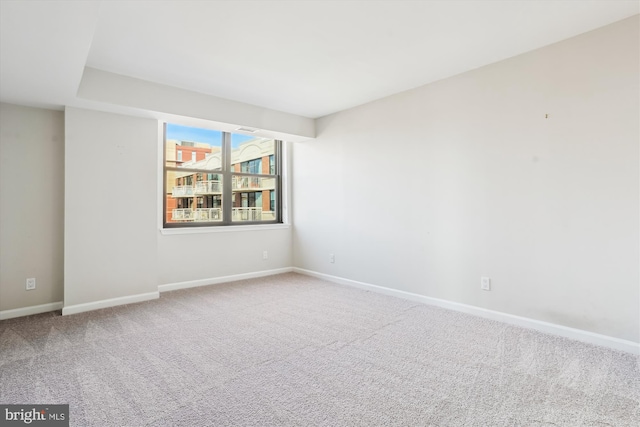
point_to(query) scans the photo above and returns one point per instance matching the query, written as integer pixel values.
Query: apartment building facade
(195, 194)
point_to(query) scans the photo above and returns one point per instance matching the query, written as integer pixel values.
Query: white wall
(31, 205)
(196, 257)
(226, 115)
(428, 190)
(110, 206)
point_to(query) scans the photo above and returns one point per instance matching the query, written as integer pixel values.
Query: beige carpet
(291, 350)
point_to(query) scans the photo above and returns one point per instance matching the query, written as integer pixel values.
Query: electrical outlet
(265, 255)
(31, 283)
(332, 258)
(485, 283)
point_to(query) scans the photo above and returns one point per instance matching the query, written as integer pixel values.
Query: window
(251, 166)
(232, 179)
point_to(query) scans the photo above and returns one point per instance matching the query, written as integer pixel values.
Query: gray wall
(31, 205)
(428, 190)
(110, 206)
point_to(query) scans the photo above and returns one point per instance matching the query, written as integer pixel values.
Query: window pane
(251, 154)
(252, 198)
(199, 161)
(193, 197)
(193, 148)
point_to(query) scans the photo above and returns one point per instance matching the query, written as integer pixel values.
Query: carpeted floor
(291, 350)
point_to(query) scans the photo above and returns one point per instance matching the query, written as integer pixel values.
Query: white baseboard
(525, 322)
(223, 279)
(28, 311)
(112, 302)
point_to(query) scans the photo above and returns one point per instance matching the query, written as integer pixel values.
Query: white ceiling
(308, 58)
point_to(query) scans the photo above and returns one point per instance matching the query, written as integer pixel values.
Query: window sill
(223, 229)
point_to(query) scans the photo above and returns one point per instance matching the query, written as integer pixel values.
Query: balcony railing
(208, 214)
(268, 216)
(182, 215)
(215, 214)
(252, 183)
(182, 191)
(208, 187)
(238, 183)
(246, 214)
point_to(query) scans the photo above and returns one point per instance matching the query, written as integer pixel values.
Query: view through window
(219, 178)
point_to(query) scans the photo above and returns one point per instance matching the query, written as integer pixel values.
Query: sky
(213, 137)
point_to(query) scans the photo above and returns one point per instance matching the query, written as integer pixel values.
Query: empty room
(320, 213)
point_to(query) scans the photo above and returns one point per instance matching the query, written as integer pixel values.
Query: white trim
(28, 311)
(111, 302)
(223, 229)
(223, 279)
(525, 322)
